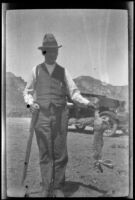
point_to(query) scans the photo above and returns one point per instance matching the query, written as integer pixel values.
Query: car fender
(111, 114)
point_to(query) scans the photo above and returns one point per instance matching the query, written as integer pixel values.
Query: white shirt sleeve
(30, 88)
(74, 92)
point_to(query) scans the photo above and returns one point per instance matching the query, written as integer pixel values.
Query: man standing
(51, 84)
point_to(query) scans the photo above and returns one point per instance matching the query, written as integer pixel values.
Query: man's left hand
(94, 103)
(91, 106)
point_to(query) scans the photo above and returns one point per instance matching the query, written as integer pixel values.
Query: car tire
(113, 125)
(80, 127)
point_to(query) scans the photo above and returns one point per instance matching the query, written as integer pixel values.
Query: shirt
(50, 68)
(73, 91)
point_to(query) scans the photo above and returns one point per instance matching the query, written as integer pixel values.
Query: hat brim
(44, 48)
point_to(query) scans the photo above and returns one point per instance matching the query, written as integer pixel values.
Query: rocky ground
(82, 180)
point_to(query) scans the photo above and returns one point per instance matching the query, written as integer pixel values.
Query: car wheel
(80, 127)
(112, 127)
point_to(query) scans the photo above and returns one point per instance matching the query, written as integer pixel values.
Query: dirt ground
(82, 180)
(90, 183)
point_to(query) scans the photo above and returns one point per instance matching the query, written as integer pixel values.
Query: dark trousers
(51, 134)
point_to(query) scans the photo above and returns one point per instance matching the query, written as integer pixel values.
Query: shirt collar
(47, 65)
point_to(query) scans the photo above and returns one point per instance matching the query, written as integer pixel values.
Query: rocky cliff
(15, 106)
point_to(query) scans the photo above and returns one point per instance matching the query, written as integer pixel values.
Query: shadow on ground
(71, 187)
(89, 132)
(83, 132)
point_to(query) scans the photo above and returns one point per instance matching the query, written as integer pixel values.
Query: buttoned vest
(50, 89)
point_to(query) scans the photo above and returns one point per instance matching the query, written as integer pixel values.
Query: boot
(58, 193)
(44, 194)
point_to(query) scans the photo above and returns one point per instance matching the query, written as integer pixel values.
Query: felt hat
(49, 41)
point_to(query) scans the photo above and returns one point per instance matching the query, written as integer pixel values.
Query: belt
(55, 108)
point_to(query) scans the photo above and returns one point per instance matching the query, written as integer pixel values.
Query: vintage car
(109, 108)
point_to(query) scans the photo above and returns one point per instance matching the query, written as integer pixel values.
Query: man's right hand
(34, 108)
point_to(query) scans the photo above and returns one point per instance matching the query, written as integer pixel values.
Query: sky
(94, 42)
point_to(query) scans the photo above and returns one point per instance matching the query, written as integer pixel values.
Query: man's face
(51, 55)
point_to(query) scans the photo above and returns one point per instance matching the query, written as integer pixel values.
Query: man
(51, 84)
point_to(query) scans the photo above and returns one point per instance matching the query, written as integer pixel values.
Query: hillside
(14, 96)
(87, 84)
(15, 106)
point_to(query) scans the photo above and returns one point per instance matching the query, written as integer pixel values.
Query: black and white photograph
(67, 76)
